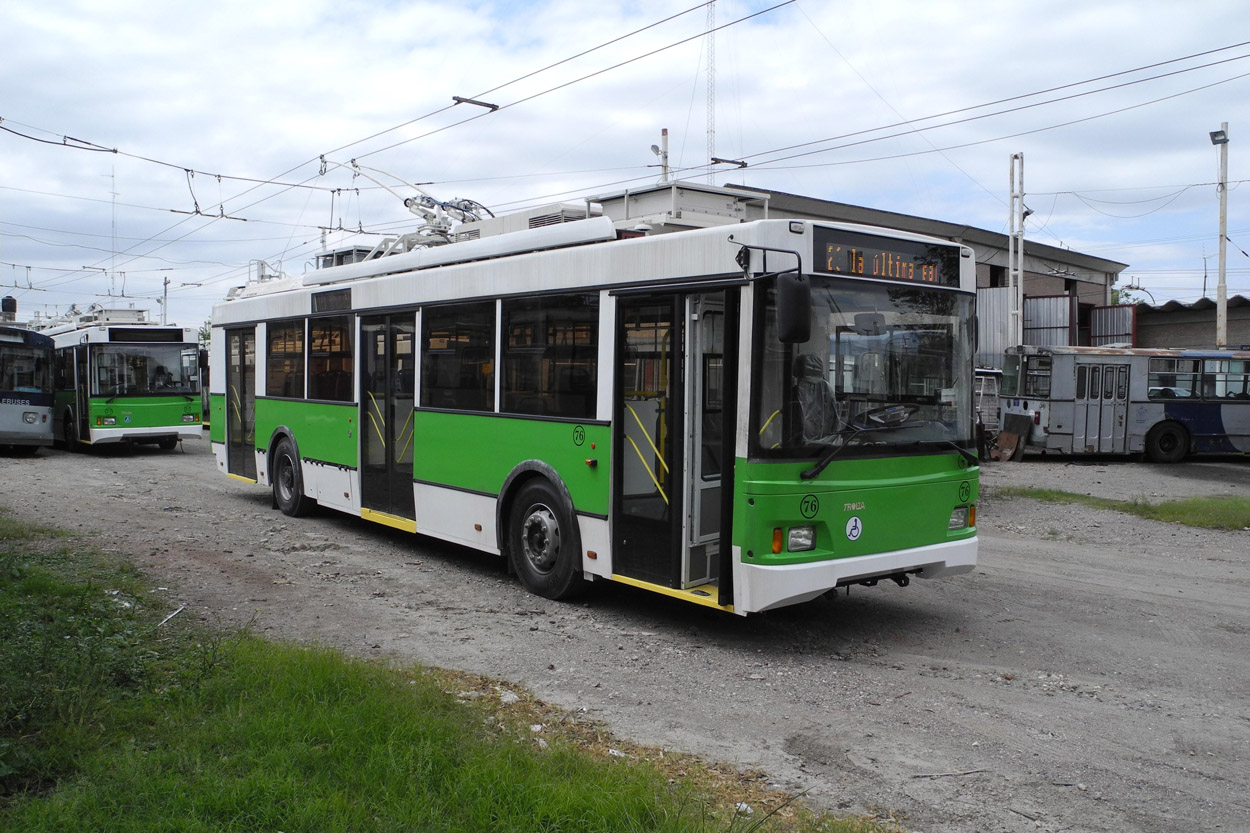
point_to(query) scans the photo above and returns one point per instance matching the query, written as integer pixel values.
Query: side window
(550, 352)
(458, 357)
(330, 358)
(284, 374)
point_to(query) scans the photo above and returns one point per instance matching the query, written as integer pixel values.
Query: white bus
(1105, 400)
(25, 390)
(743, 416)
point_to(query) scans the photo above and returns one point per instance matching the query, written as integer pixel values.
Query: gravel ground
(1090, 675)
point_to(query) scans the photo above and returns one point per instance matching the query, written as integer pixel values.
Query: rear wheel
(288, 481)
(544, 543)
(1167, 442)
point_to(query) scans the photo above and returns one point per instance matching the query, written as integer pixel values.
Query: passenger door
(387, 376)
(241, 402)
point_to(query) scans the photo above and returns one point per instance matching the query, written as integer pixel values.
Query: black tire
(544, 544)
(1167, 442)
(167, 443)
(71, 435)
(286, 475)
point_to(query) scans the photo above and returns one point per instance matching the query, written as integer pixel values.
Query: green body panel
(478, 452)
(901, 502)
(323, 431)
(217, 417)
(143, 411)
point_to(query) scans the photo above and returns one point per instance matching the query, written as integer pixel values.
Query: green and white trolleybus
(744, 416)
(123, 379)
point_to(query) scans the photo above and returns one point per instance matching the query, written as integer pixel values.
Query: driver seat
(819, 407)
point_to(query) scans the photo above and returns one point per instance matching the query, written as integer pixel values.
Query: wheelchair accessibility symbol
(854, 528)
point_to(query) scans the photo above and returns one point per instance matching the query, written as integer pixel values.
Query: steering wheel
(889, 414)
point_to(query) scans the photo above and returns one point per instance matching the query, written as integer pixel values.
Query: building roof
(1200, 304)
(961, 232)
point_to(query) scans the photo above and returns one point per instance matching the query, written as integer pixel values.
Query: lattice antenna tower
(711, 88)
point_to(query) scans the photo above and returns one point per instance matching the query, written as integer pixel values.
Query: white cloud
(256, 89)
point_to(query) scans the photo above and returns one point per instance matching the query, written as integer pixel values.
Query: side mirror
(794, 308)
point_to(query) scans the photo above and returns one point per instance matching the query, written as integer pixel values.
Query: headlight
(801, 538)
(30, 417)
(110, 420)
(959, 518)
(188, 417)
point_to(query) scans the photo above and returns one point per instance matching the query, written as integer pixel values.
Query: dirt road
(1090, 675)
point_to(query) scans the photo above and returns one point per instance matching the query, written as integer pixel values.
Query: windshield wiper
(824, 462)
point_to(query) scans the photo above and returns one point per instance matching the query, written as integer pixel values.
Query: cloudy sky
(144, 142)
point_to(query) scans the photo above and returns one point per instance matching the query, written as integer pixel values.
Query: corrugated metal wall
(1051, 321)
(993, 325)
(1113, 325)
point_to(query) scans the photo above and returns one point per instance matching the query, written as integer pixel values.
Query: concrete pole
(1221, 292)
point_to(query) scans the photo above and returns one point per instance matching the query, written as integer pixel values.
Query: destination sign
(868, 256)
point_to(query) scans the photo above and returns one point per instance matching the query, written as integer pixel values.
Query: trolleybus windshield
(144, 369)
(887, 370)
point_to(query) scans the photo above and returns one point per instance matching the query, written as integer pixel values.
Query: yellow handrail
(647, 434)
(650, 473)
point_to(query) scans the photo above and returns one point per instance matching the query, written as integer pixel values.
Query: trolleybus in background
(743, 417)
(25, 390)
(123, 379)
(1104, 400)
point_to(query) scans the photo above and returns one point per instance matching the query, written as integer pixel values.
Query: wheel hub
(540, 538)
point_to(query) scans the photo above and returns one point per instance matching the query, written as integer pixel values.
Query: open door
(241, 402)
(673, 438)
(387, 375)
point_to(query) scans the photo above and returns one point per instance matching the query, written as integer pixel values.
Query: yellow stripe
(240, 477)
(394, 521)
(691, 595)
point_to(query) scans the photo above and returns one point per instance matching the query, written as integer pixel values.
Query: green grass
(1232, 513)
(110, 721)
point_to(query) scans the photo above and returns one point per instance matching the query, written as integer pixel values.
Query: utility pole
(1220, 139)
(165, 301)
(1015, 248)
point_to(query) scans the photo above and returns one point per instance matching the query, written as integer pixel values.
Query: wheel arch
(280, 433)
(521, 474)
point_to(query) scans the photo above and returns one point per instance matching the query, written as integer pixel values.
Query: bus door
(82, 392)
(647, 439)
(241, 402)
(1100, 408)
(705, 430)
(387, 377)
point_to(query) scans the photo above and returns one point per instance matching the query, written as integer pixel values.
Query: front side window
(550, 355)
(1037, 377)
(887, 370)
(119, 369)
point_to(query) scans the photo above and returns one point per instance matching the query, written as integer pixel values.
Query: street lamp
(1220, 139)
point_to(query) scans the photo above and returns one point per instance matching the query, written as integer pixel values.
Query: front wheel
(1167, 442)
(71, 435)
(167, 443)
(544, 544)
(288, 481)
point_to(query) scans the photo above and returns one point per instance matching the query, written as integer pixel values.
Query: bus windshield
(887, 371)
(144, 370)
(25, 369)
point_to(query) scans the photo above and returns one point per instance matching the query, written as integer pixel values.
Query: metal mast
(1015, 248)
(711, 87)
